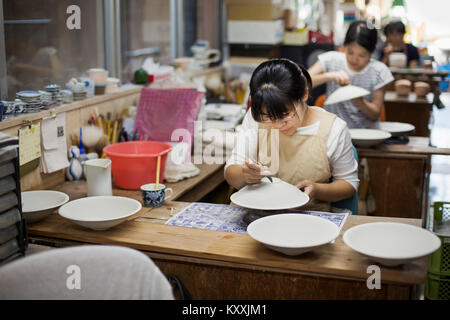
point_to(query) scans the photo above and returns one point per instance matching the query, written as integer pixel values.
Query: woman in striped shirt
(356, 67)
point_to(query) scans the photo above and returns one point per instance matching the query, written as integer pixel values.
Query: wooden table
(399, 177)
(432, 77)
(410, 109)
(190, 190)
(223, 265)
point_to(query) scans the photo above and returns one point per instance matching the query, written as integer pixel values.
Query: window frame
(108, 16)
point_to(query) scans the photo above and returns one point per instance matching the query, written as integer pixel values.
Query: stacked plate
(78, 89)
(66, 95)
(32, 99)
(79, 95)
(46, 98)
(54, 89)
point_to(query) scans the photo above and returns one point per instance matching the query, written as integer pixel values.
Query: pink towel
(162, 111)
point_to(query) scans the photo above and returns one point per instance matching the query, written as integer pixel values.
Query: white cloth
(374, 76)
(340, 153)
(174, 173)
(178, 165)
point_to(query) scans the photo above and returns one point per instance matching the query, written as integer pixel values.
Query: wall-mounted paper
(29, 143)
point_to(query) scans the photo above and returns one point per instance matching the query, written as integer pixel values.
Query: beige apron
(301, 157)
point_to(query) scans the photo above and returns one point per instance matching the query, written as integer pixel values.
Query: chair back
(86, 273)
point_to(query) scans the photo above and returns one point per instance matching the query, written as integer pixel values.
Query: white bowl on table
(266, 195)
(293, 233)
(390, 243)
(396, 128)
(37, 205)
(100, 213)
(366, 138)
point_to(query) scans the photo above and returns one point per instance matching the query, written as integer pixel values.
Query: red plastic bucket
(134, 162)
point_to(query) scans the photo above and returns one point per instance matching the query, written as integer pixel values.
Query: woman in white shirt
(356, 67)
(282, 136)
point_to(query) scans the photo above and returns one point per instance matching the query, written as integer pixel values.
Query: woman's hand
(340, 77)
(308, 187)
(252, 172)
(359, 102)
(388, 50)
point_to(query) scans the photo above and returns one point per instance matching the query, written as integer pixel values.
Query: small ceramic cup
(155, 198)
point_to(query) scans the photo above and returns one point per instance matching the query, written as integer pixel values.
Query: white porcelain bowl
(346, 93)
(391, 243)
(366, 138)
(293, 233)
(100, 213)
(266, 195)
(37, 205)
(398, 60)
(396, 128)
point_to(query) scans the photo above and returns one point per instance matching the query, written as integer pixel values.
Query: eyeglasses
(284, 120)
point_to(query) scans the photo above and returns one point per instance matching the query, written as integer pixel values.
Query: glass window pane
(40, 48)
(208, 22)
(145, 33)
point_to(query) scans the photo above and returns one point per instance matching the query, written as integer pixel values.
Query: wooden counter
(192, 189)
(223, 265)
(410, 109)
(399, 177)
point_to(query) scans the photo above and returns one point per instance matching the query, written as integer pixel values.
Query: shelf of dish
(25, 118)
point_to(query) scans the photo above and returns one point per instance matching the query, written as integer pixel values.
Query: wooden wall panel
(397, 186)
(217, 283)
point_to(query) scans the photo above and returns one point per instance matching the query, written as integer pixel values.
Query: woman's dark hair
(276, 85)
(395, 26)
(359, 32)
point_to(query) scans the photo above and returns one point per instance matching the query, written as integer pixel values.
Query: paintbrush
(114, 131)
(108, 125)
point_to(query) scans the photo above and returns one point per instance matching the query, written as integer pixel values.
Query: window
(115, 34)
(145, 33)
(39, 47)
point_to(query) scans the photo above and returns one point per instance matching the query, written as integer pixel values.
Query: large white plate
(266, 195)
(37, 205)
(391, 243)
(346, 93)
(396, 128)
(368, 137)
(293, 234)
(100, 213)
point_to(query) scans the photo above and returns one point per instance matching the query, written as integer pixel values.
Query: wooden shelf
(125, 90)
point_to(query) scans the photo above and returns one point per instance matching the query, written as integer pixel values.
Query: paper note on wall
(29, 143)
